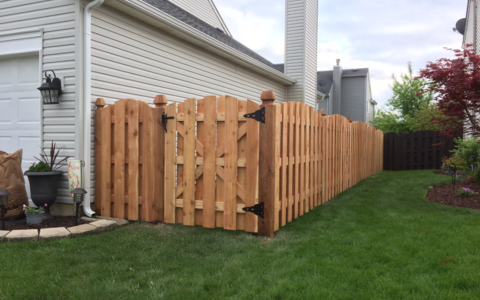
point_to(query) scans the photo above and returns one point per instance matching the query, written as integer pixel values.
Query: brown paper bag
(12, 180)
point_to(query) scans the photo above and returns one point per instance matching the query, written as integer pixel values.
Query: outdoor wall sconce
(78, 195)
(3, 201)
(51, 89)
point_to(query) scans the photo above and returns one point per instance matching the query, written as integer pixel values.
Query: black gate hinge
(257, 209)
(258, 115)
(164, 120)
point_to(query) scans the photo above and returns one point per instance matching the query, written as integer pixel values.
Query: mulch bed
(55, 221)
(444, 194)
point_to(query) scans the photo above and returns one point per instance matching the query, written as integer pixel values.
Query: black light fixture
(51, 89)
(78, 195)
(3, 201)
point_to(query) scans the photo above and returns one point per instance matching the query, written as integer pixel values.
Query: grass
(378, 240)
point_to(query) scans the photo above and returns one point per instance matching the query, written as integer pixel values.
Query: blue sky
(381, 35)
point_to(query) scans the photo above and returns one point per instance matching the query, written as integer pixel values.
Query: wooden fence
(211, 161)
(416, 150)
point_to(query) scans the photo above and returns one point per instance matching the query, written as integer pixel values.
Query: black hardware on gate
(164, 120)
(258, 115)
(257, 209)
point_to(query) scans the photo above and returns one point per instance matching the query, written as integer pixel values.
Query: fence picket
(231, 158)
(119, 154)
(251, 185)
(209, 159)
(133, 159)
(189, 107)
(170, 151)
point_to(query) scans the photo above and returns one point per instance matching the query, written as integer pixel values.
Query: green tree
(404, 104)
(406, 99)
(389, 121)
(430, 117)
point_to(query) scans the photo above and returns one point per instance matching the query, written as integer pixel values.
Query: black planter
(43, 187)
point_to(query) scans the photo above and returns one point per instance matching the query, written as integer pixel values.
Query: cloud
(382, 35)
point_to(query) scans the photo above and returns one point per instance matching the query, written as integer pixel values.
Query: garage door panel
(6, 107)
(29, 111)
(8, 143)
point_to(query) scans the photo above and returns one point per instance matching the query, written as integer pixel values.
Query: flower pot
(44, 186)
(34, 218)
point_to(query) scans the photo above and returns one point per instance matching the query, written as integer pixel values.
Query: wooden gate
(213, 149)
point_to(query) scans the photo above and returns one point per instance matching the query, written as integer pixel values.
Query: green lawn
(378, 240)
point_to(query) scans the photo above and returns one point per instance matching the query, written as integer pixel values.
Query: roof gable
(195, 22)
(204, 10)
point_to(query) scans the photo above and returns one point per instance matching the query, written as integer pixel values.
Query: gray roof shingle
(189, 19)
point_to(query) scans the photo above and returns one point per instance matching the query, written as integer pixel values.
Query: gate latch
(258, 115)
(164, 120)
(257, 209)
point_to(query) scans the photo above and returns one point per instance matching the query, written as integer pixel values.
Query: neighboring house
(470, 26)
(346, 92)
(131, 49)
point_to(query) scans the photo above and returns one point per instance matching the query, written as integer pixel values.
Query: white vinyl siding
(311, 52)
(131, 59)
(57, 18)
(295, 48)
(301, 49)
(204, 10)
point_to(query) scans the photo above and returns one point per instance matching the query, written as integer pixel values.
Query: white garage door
(20, 108)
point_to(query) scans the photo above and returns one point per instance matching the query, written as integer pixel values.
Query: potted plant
(34, 214)
(44, 178)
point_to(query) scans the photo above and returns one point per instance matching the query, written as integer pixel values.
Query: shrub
(466, 192)
(454, 159)
(467, 152)
(476, 175)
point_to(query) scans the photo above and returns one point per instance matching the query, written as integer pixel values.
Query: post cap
(267, 97)
(350, 119)
(100, 103)
(322, 112)
(160, 101)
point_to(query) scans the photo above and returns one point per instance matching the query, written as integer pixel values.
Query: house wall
(204, 10)
(368, 103)
(301, 49)
(353, 98)
(60, 49)
(131, 59)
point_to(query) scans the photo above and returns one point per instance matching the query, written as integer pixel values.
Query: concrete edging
(96, 225)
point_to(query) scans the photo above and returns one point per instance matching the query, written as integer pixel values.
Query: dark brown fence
(415, 151)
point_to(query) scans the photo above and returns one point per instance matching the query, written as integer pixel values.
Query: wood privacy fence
(210, 161)
(416, 150)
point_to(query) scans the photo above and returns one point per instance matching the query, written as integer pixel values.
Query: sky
(380, 35)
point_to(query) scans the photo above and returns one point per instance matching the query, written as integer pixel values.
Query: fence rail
(211, 161)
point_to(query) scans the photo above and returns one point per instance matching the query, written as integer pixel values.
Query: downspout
(87, 98)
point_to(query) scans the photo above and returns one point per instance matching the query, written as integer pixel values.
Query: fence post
(159, 155)
(100, 104)
(268, 179)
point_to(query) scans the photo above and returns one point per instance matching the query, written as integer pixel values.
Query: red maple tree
(456, 83)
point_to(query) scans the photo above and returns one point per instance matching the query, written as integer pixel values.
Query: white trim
(184, 31)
